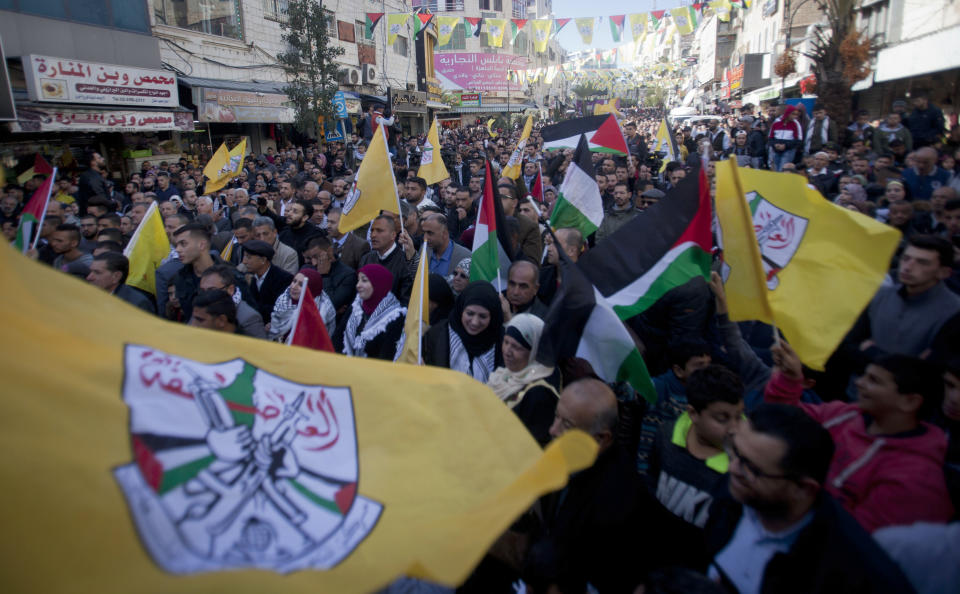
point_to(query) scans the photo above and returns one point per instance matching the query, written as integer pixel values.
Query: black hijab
(483, 294)
(442, 295)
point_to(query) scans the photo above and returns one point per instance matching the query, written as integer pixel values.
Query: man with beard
(299, 229)
(774, 528)
(341, 186)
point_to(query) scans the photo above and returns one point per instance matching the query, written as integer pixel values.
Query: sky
(570, 39)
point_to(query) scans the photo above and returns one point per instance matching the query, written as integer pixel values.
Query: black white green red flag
(490, 260)
(660, 249)
(32, 216)
(578, 204)
(602, 132)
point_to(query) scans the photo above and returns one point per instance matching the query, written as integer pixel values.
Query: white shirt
(744, 559)
(260, 279)
(387, 254)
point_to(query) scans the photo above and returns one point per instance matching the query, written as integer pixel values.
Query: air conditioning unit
(369, 74)
(350, 76)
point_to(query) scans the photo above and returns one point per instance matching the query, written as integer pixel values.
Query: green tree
(587, 89)
(310, 63)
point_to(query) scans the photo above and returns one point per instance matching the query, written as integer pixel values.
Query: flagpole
(423, 283)
(43, 214)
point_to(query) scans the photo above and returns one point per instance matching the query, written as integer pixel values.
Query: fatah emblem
(445, 30)
(427, 157)
(681, 21)
(353, 196)
(540, 34)
(234, 467)
(394, 28)
(779, 234)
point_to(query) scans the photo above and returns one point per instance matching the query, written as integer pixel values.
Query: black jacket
(136, 298)
(298, 238)
(90, 184)
(188, 284)
(274, 284)
(832, 554)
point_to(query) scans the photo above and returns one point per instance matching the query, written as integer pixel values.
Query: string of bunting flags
(683, 20)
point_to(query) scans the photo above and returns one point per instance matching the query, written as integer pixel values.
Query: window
(275, 10)
(345, 32)
(331, 23)
(122, 14)
(400, 46)
(458, 40)
(519, 9)
(430, 4)
(873, 21)
(498, 5)
(484, 4)
(361, 33)
(450, 5)
(221, 17)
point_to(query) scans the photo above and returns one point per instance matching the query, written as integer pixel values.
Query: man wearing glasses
(775, 529)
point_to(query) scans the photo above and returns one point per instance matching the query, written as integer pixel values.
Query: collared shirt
(387, 255)
(744, 559)
(260, 278)
(441, 264)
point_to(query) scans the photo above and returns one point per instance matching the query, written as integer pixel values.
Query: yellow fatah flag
(224, 166)
(416, 324)
(227, 252)
(374, 187)
(513, 168)
(490, 128)
(432, 169)
(445, 28)
(167, 458)
(25, 176)
(666, 143)
(785, 248)
(495, 29)
(722, 8)
(541, 33)
(396, 24)
(638, 25)
(585, 28)
(146, 251)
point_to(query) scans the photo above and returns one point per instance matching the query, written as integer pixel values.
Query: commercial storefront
(410, 109)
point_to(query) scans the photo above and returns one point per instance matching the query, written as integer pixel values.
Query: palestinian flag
(32, 216)
(616, 26)
(420, 22)
(372, 19)
(308, 328)
(474, 24)
(662, 249)
(559, 24)
(579, 204)
(515, 26)
(656, 17)
(602, 132)
(491, 259)
(580, 323)
(536, 190)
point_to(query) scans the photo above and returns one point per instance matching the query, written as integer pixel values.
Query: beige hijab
(508, 384)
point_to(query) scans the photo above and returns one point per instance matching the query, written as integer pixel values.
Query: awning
(437, 105)
(252, 86)
(939, 51)
(36, 117)
(237, 102)
(863, 85)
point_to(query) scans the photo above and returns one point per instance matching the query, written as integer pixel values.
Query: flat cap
(259, 248)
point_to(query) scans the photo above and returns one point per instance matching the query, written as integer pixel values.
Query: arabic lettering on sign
(77, 81)
(480, 72)
(42, 120)
(224, 97)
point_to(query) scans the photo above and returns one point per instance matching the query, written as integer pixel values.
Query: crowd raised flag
(147, 250)
(28, 231)
(785, 247)
(308, 329)
(415, 324)
(602, 132)
(578, 204)
(432, 169)
(515, 165)
(651, 254)
(207, 461)
(374, 187)
(490, 261)
(666, 144)
(224, 166)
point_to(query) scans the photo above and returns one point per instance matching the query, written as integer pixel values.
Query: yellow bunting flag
(432, 169)
(541, 33)
(495, 29)
(166, 458)
(147, 249)
(396, 24)
(785, 247)
(445, 28)
(585, 28)
(374, 187)
(638, 25)
(416, 323)
(513, 168)
(224, 166)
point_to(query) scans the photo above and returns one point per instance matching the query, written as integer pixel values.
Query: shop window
(400, 46)
(93, 12)
(50, 8)
(275, 10)
(220, 18)
(458, 40)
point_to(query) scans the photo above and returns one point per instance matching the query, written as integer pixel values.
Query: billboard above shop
(225, 106)
(478, 71)
(62, 80)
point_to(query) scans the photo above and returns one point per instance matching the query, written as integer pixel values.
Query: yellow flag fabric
(445, 27)
(227, 252)
(224, 166)
(362, 470)
(585, 28)
(146, 251)
(432, 168)
(415, 324)
(638, 25)
(722, 8)
(541, 33)
(374, 187)
(495, 29)
(490, 128)
(25, 176)
(513, 168)
(665, 142)
(785, 247)
(684, 19)
(396, 24)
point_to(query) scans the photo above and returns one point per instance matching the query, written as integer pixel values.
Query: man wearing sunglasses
(775, 529)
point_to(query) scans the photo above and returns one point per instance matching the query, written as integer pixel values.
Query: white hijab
(508, 384)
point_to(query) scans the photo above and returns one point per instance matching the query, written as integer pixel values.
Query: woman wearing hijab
(375, 326)
(469, 339)
(441, 298)
(285, 308)
(526, 386)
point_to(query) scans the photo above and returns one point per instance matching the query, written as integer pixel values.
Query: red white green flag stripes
(32, 217)
(485, 262)
(665, 247)
(579, 204)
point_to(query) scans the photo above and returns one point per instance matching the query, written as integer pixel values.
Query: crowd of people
(750, 472)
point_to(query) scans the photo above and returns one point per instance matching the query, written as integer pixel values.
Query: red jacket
(881, 480)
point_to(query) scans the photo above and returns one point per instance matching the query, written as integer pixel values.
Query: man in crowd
(350, 247)
(443, 253)
(520, 295)
(109, 272)
(267, 282)
(65, 242)
(284, 256)
(388, 253)
(221, 277)
(620, 213)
